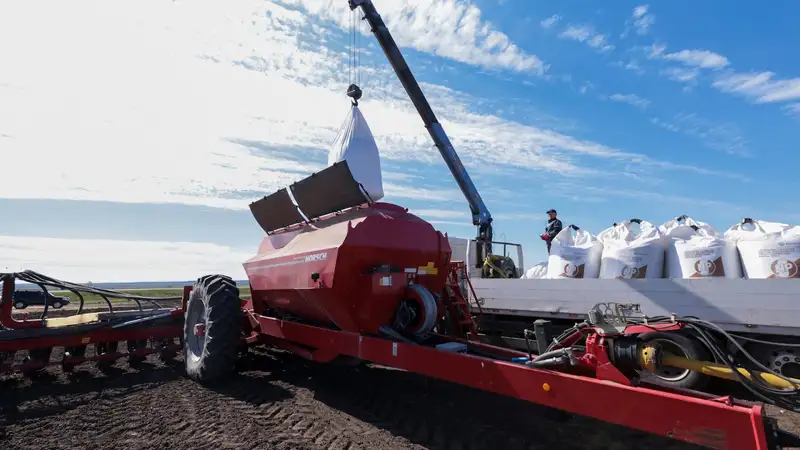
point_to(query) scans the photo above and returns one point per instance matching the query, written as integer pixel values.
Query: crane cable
(354, 58)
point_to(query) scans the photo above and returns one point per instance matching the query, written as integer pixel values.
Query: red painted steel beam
(700, 421)
(92, 337)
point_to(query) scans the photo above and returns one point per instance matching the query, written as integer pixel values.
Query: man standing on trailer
(552, 229)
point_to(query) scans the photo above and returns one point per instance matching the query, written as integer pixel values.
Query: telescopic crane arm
(480, 213)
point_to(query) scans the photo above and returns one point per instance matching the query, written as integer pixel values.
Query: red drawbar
(709, 423)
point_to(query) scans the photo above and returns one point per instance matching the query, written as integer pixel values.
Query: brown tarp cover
(327, 191)
(275, 211)
(330, 190)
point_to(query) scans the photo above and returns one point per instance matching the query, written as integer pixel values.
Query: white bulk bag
(767, 249)
(697, 250)
(574, 256)
(354, 143)
(684, 227)
(629, 255)
(536, 272)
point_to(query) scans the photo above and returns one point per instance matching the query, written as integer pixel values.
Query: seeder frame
(722, 423)
(34, 335)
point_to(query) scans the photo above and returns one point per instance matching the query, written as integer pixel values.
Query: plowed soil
(277, 401)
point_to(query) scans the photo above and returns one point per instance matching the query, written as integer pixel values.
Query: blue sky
(138, 136)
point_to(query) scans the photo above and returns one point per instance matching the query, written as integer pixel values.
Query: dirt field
(287, 405)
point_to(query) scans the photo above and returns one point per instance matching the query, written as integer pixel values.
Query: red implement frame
(32, 334)
(714, 423)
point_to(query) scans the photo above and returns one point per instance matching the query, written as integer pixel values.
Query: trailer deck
(752, 306)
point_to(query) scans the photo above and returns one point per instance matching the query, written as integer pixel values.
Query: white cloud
(703, 59)
(694, 61)
(760, 87)
(102, 260)
(724, 137)
(577, 33)
(550, 22)
(585, 33)
(642, 20)
(452, 29)
(451, 223)
(393, 190)
(566, 190)
(465, 217)
(520, 216)
(665, 125)
(440, 213)
(631, 99)
(793, 109)
(218, 104)
(600, 43)
(631, 65)
(682, 75)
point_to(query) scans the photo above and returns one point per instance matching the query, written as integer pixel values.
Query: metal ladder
(457, 305)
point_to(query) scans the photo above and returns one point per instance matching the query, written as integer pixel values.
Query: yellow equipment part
(80, 319)
(651, 359)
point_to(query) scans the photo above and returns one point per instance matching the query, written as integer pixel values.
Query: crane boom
(480, 213)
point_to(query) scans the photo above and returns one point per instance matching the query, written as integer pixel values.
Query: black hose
(548, 362)
(710, 334)
(44, 282)
(567, 333)
(552, 354)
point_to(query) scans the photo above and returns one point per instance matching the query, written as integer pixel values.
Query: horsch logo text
(315, 257)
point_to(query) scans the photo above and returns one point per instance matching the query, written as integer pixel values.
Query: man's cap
(551, 211)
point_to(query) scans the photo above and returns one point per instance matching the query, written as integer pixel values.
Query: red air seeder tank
(349, 270)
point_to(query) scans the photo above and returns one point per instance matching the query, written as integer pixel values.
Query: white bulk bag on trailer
(767, 249)
(684, 227)
(536, 272)
(697, 250)
(574, 256)
(354, 143)
(630, 255)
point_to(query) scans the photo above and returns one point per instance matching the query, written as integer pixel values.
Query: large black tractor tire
(215, 306)
(681, 345)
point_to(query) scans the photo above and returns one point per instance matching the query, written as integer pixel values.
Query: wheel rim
(672, 374)
(786, 362)
(196, 322)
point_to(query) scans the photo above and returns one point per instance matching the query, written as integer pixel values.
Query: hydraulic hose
(548, 362)
(552, 354)
(551, 358)
(761, 381)
(720, 371)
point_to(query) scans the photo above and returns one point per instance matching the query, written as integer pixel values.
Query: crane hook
(354, 92)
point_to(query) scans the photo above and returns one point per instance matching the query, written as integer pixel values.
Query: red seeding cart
(339, 276)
